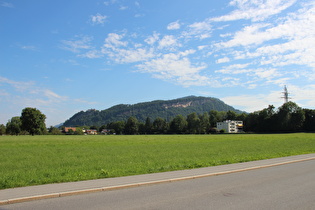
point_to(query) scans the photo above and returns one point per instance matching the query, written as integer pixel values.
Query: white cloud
(29, 94)
(250, 35)
(130, 55)
(176, 68)
(98, 19)
(256, 10)
(92, 54)
(251, 103)
(107, 3)
(117, 49)
(264, 45)
(223, 60)
(20, 86)
(288, 41)
(30, 88)
(114, 40)
(168, 41)
(173, 26)
(152, 39)
(304, 96)
(200, 26)
(29, 47)
(78, 44)
(123, 7)
(16, 95)
(199, 30)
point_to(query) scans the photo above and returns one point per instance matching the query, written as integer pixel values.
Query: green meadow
(34, 160)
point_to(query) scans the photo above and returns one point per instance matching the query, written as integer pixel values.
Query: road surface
(290, 186)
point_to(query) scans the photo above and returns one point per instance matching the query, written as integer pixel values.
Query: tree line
(287, 118)
(31, 121)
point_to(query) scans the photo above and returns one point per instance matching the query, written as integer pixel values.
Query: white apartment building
(231, 126)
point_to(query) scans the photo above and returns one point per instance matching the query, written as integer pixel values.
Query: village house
(91, 132)
(67, 129)
(231, 126)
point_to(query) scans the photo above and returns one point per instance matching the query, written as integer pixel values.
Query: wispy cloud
(249, 55)
(169, 41)
(223, 60)
(113, 40)
(173, 26)
(30, 88)
(199, 30)
(98, 19)
(255, 10)
(29, 47)
(6, 4)
(152, 39)
(272, 45)
(77, 44)
(123, 7)
(107, 3)
(253, 103)
(20, 94)
(177, 68)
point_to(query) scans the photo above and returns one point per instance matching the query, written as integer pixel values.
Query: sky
(62, 57)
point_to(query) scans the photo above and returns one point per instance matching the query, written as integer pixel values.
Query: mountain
(166, 109)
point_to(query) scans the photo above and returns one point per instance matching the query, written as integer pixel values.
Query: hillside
(166, 109)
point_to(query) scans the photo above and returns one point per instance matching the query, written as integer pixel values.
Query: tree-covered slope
(166, 109)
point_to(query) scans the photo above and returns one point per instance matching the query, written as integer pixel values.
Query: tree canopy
(14, 126)
(33, 121)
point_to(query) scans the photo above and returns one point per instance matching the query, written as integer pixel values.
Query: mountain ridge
(166, 109)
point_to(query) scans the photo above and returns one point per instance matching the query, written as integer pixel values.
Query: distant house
(231, 126)
(105, 131)
(91, 132)
(67, 129)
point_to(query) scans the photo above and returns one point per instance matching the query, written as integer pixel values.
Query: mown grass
(34, 160)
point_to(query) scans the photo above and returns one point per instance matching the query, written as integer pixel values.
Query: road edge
(117, 187)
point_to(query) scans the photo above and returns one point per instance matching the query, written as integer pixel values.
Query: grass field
(34, 160)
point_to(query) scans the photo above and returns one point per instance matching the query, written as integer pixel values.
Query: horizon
(63, 57)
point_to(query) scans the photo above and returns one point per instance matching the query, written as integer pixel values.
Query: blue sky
(62, 57)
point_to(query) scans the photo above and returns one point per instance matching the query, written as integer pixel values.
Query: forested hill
(166, 109)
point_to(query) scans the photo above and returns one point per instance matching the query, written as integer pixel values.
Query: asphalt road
(290, 186)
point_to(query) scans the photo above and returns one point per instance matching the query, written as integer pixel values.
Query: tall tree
(178, 124)
(266, 119)
(290, 117)
(193, 123)
(216, 116)
(204, 124)
(2, 129)
(132, 126)
(148, 125)
(309, 123)
(230, 115)
(14, 126)
(33, 121)
(117, 127)
(159, 126)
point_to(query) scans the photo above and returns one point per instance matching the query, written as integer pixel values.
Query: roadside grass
(34, 160)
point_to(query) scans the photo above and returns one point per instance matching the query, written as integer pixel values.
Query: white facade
(231, 126)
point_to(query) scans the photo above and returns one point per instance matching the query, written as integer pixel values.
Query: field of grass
(34, 160)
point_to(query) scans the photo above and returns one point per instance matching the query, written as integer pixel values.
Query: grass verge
(34, 160)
